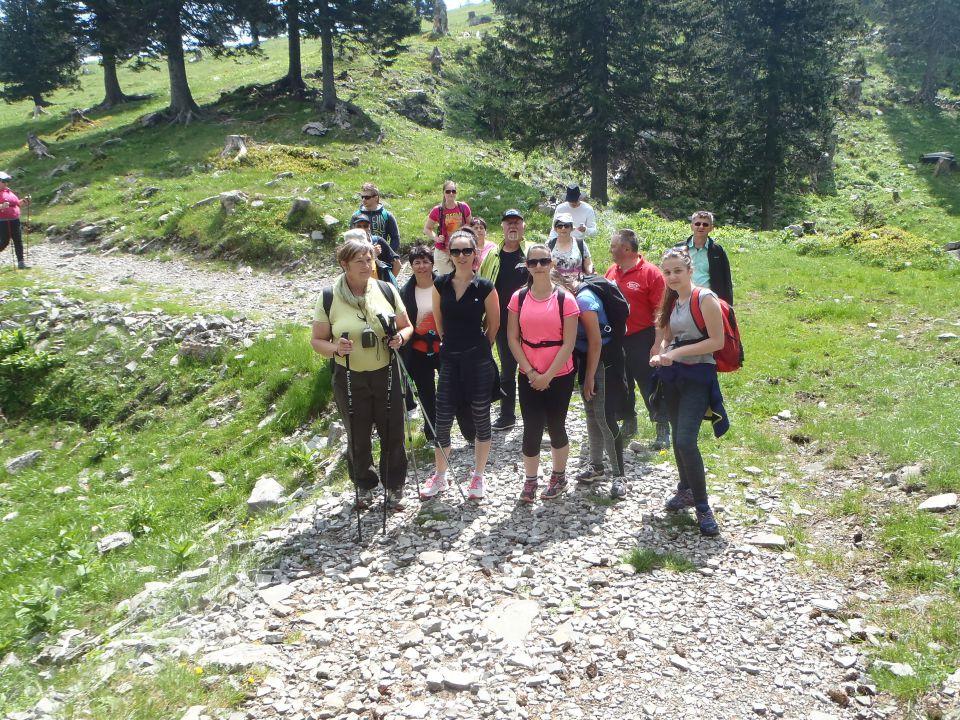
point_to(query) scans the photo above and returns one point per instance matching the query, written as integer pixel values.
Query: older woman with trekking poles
(541, 332)
(687, 372)
(360, 322)
(10, 228)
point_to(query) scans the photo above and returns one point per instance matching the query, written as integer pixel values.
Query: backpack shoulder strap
(561, 299)
(387, 289)
(463, 212)
(583, 253)
(327, 299)
(696, 312)
(552, 243)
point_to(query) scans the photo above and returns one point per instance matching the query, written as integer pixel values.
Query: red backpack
(730, 356)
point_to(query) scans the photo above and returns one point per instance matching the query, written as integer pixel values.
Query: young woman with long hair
(541, 331)
(688, 374)
(444, 220)
(466, 311)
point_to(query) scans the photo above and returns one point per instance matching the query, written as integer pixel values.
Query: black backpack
(615, 306)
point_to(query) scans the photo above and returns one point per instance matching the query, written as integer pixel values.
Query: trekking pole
(385, 439)
(350, 459)
(405, 388)
(433, 429)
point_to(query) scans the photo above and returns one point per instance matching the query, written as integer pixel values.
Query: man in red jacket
(642, 285)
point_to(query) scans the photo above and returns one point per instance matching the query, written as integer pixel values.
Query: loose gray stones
(21, 462)
(939, 503)
(114, 542)
(266, 495)
(243, 656)
(768, 540)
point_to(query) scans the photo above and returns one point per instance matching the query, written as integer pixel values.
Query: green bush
(887, 247)
(22, 369)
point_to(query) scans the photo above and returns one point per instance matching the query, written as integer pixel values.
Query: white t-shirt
(583, 214)
(424, 297)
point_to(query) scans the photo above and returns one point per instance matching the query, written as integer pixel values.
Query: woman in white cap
(571, 256)
(10, 219)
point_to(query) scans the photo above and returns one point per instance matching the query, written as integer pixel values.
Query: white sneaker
(477, 489)
(433, 486)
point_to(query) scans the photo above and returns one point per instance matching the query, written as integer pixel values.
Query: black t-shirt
(462, 319)
(513, 275)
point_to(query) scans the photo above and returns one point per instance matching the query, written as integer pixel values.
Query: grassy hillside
(841, 329)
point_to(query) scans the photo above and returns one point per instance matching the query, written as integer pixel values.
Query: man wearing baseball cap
(10, 219)
(506, 267)
(584, 217)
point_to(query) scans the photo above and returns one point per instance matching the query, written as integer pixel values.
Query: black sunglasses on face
(564, 225)
(450, 192)
(542, 262)
(701, 224)
(457, 252)
(367, 197)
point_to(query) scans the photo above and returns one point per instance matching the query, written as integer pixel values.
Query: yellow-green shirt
(344, 318)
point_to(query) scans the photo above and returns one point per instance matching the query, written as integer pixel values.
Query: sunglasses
(449, 192)
(564, 225)
(457, 252)
(367, 197)
(542, 262)
(701, 224)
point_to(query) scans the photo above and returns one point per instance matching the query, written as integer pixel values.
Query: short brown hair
(628, 237)
(369, 187)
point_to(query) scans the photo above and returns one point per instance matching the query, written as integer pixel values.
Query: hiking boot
(477, 489)
(628, 428)
(364, 499)
(707, 522)
(618, 488)
(589, 474)
(555, 488)
(681, 500)
(395, 499)
(22, 266)
(663, 437)
(529, 492)
(433, 486)
(503, 423)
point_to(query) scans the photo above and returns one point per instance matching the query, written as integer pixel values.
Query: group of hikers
(554, 323)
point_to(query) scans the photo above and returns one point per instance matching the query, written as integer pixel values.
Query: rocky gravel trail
(495, 610)
(265, 295)
(466, 610)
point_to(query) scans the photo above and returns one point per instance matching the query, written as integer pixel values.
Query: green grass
(831, 333)
(646, 560)
(135, 453)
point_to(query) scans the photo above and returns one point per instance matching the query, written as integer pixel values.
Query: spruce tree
(574, 75)
(931, 30)
(781, 63)
(116, 30)
(39, 48)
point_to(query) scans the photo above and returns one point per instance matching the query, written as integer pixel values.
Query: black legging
(465, 377)
(423, 369)
(544, 409)
(11, 229)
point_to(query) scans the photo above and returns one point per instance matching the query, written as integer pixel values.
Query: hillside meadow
(842, 329)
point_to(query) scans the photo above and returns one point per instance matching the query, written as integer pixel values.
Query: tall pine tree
(116, 30)
(39, 48)
(575, 75)
(781, 84)
(930, 29)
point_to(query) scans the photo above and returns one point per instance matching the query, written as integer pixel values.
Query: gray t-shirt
(684, 329)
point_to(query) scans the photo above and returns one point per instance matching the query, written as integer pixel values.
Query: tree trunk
(294, 80)
(326, 58)
(440, 25)
(599, 159)
(931, 76)
(182, 107)
(600, 93)
(773, 152)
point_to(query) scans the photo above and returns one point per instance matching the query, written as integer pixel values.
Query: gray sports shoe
(589, 474)
(395, 499)
(681, 500)
(364, 499)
